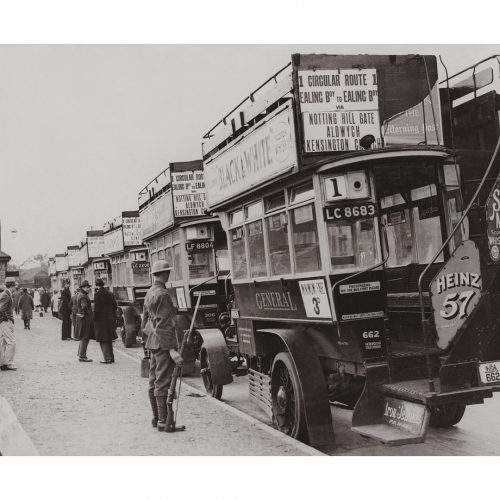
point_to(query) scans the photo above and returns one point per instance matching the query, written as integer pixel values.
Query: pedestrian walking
(36, 300)
(55, 303)
(65, 310)
(15, 298)
(7, 338)
(26, 306)
(84, 321)
(159, 323)
(74, 308)
(104, 320)
(45, 300)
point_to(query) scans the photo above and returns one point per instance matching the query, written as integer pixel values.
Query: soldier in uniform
(159, 323)
(7, 339)
(84, 321)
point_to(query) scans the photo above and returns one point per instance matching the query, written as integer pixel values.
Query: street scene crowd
(85, 320)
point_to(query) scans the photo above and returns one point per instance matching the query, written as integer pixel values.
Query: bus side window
(305, 239)
(256, 245)
(279, 252)
(239, 258)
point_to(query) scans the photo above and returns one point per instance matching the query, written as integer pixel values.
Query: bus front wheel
(286, 397)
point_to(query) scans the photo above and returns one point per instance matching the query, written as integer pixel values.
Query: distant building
(4, 259)
(41, 280)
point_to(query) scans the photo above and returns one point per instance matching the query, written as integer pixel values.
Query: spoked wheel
(446, 415)
(286, 397)
(206, 375)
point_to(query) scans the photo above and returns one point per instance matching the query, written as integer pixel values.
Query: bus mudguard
(218, 355)
(312, 381)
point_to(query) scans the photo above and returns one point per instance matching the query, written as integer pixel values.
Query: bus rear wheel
(213, 390)
(286, 397)
(446, 415)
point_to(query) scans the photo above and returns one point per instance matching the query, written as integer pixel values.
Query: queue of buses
(343, 230)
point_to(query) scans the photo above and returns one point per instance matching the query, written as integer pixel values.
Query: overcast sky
(83, 128)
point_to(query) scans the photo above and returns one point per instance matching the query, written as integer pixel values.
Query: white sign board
(181, 298)
(189, 193)
(113, 241)
(83, 254)
(61, 263)
(132, 233)
(95, 246)
(369, 286)
(315, 298)
(158, 215)
(267, 151)
(73, 257)
(339, 107)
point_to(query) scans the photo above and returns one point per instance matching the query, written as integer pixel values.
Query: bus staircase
(434, 383)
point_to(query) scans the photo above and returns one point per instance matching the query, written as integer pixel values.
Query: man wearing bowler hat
(7, 339)
(159, 322)
(104, 320)
(84, 330)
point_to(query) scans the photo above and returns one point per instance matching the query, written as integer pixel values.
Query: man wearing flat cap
(159, 323)
(7, 339)
(84, 330)
(104, 320)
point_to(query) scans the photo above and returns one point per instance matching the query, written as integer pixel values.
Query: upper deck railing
(249, 109)
(154, 188)
(473, 81)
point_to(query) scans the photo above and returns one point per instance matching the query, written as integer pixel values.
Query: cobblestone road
(72, 408)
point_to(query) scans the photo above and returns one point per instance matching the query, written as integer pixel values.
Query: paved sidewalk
(72, 408)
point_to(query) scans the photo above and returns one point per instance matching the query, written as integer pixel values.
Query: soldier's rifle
(171, 415)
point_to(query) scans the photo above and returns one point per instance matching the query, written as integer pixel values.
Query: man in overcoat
(84, 331)
(7, 338)
(45, 299)
(65, 309)
(159, 321)
(15, 297)
(74, 308)
(104, 320)
(27, 307)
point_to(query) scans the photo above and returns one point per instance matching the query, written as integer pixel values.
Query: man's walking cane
(170, 426)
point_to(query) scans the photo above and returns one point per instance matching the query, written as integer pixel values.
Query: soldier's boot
(154, 407)
(162, 413)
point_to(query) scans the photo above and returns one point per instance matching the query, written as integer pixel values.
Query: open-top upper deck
(319, 107)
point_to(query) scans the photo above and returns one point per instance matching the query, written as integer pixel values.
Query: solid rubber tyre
(129, 330)
(212, 390)
(446, 415)
(286, 398)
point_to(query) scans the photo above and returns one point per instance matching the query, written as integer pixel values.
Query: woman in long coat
(45, 299)
(26, 307)
(104, 320)
(84, 330)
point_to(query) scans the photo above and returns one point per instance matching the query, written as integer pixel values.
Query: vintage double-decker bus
(91, 257)
(126, 272)
(358, 275)
(176, 228)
